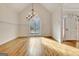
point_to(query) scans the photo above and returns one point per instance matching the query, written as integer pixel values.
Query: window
(35, 25)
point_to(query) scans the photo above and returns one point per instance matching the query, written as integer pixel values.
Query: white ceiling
(18, 7)
(50, 6)
(71, 5)
(67, 6)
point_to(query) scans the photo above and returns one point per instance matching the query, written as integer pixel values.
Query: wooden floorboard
(70, 42)
(14, 47)
(59, 49)
(19, 47)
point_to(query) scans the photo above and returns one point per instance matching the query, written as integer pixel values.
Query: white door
(70, 27)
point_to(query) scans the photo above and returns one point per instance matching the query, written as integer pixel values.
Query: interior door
(67, 28)
(70, 27)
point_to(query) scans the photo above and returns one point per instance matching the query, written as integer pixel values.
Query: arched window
(35, 25)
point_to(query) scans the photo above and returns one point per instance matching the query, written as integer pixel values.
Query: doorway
(70, 28)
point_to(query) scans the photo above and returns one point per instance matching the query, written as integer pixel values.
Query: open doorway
(70, 29)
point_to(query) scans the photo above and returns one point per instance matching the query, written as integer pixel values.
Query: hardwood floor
(58, 49)
(15, 47)
(70, 42)
(37, 46)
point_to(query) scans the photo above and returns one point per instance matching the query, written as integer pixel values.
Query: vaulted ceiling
(20, 6)
(15, 6)
(49, 6)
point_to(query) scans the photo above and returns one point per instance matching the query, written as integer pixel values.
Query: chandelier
(32, 14)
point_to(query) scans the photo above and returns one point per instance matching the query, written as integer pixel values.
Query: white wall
(9, 28)
(8, 24)
(56, 24)
(45, 16)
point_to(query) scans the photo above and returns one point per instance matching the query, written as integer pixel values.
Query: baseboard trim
(34, 36)
(21, 37)
(69, 40)
(24, 37)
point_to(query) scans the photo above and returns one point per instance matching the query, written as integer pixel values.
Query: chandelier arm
(32, 14)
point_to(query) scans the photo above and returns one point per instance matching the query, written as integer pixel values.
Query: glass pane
(35, 25)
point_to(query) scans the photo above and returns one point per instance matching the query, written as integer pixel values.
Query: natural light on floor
(35, 46)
